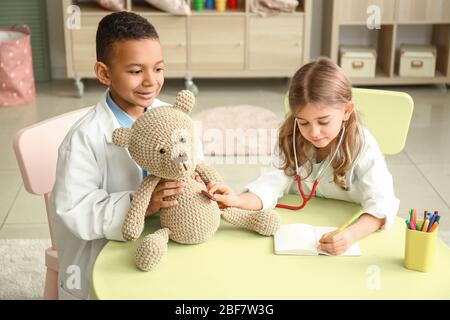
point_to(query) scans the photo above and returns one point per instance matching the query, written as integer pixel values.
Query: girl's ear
(102, 73)
(122, 136)
(349, 108)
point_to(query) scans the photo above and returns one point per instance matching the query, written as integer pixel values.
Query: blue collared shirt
(122, 117)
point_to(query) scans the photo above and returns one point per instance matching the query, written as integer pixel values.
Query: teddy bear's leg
(265, 222)
(152, 249)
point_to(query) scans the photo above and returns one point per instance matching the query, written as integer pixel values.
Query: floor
(421, 172)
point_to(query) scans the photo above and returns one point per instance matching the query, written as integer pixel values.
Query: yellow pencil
(425, 226)
(345, 225)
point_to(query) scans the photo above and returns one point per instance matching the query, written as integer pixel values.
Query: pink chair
(36, 149)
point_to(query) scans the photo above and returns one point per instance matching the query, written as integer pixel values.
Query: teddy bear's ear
(122, 136)
(185, 101)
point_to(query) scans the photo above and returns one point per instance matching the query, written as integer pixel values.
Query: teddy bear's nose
(182, 157)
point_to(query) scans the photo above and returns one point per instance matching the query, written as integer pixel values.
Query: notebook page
(297, 239)
(354, 249)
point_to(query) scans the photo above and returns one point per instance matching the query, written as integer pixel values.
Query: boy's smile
(134, 74)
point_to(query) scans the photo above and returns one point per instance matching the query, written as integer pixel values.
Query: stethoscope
(305, 199)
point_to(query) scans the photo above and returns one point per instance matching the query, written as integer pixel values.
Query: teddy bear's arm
(208, 173)
(135, 218)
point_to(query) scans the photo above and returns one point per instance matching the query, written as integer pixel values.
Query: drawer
(217, 43)
(276, 43)
(171, 30)
(172, 34)
(424, 10)
(355, 11)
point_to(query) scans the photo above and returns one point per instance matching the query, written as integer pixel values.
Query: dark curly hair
(121, 26)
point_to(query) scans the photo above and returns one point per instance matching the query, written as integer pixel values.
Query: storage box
(358, 62)
(16, 67)
(417, 61)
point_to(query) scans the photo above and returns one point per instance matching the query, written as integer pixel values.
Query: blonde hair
(321, 82)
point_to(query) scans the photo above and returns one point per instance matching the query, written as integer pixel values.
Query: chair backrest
(36, 149)
(387, 115)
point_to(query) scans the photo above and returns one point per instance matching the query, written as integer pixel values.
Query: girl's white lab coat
(369, 181)
(91, 196)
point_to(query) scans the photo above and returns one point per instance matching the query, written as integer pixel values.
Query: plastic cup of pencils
(420, 249)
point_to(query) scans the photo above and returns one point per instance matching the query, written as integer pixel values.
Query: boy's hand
(164, 188)
(223, 194)
(337, 244)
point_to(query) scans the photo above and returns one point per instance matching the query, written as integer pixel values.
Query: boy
(95, 179)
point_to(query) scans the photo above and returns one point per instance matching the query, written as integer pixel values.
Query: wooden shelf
(381, 79)
(212, 12)
(91, 9)
(361, 24)
(283, 14)
(396, 17)
(438, 78)
(208, 43)
(380, 76)
(143, 8)
(241, 9)
(406, 23)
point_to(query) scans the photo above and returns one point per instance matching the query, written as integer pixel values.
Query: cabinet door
(355, 11)
(83, 46)
(424, 10)
(172, 34)
(276, 43)
(217, 43)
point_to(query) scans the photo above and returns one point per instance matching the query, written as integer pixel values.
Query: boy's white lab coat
(91, 196)
(369, 182)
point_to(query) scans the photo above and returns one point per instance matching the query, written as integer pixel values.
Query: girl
(323, 137)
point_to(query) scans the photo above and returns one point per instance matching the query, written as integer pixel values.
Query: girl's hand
(337, 244)
(197, 177)
(223, 194)
(164, 189)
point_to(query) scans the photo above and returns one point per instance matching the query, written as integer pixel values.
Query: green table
(239, 264)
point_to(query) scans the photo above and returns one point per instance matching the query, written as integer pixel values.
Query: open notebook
(303, 239)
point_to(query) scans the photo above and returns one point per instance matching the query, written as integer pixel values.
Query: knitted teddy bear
(161, 141)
